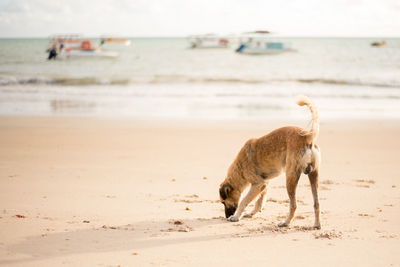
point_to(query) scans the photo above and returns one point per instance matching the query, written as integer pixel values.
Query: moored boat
(114, 40)
(259, 43)
(68, 53)
(379, 44)
(208, 41)
(72, 45)
(262, 47)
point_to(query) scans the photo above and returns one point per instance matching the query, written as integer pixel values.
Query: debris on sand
(20, 216)
(324, 187)
(109, 227)
(370, 181)
(193, 196)
(184, 229)
(188, 200)
(388, 236)
(179, 227)
(365, 215)
(328, 235)
(327, 182)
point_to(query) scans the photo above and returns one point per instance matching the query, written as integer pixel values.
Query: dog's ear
(225, 190)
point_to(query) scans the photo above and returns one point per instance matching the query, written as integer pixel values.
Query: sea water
(162, 78)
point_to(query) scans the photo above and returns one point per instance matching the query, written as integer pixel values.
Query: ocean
(162, 78)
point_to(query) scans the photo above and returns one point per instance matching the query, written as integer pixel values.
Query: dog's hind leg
(254, 191)
(292, 179)
(259, 203)
(313, 177)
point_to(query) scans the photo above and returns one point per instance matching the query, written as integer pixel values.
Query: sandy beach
(91, 192)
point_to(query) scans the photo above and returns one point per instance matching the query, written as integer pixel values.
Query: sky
(147, 18)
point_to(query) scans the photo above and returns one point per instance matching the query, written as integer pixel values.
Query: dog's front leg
(254, 191)
(259, 203)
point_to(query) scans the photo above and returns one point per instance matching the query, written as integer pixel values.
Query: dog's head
(230, 198)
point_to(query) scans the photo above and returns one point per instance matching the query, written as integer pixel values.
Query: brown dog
(288, 149)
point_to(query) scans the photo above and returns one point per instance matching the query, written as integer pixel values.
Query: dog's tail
(305, 101)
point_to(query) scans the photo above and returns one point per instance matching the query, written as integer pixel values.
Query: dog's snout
(229, 211)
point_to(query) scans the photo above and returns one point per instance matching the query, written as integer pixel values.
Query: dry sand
(134, 193)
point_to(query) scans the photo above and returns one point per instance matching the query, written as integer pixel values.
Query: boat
(68, 53)
(85, 49)
(208, 41)
(379, 44)
(68, 40)
(259, 43)
(114, 40)
(73, 45)
(262, 47)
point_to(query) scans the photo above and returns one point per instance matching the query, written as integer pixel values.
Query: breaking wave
(159, 79)
(61, 81)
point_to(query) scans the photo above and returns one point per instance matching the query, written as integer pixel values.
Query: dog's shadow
(136, 236)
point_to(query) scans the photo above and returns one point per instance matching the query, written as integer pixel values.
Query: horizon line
(186, 36)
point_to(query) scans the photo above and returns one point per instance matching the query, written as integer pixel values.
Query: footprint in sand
(364, 183)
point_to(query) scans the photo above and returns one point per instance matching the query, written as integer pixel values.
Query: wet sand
(93, 192)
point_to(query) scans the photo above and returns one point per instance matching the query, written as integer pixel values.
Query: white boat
(72, 45)
(259, 48)
(114, 40)
(259, 43)
(208, 41)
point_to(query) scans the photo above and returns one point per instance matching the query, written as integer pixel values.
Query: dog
(289, 149)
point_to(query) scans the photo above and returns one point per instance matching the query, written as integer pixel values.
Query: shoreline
(193, 123)
(198, 101)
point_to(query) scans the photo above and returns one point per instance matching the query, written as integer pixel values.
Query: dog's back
(289, 138)
(269, 154)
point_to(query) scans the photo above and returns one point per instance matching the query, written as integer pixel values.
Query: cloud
(184, 17)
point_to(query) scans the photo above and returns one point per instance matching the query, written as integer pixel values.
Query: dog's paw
(282, 224)
(248, 215)
(317, 226)
(233, 218)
